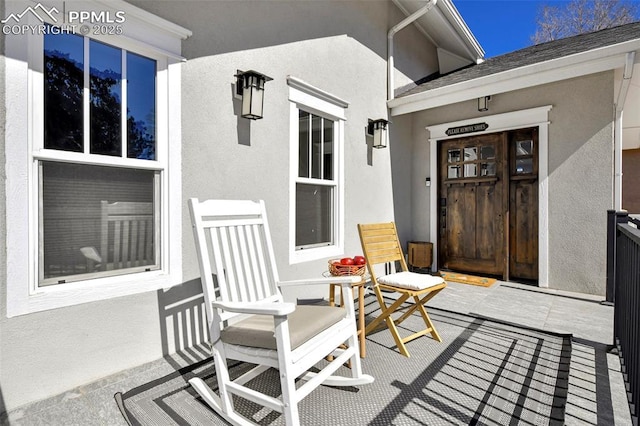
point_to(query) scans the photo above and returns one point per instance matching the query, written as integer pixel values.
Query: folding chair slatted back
(381, 244)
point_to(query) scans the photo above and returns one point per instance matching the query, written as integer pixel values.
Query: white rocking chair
(249, 321)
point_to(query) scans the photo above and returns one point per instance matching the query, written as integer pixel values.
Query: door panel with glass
(472, 203)
(523, 204)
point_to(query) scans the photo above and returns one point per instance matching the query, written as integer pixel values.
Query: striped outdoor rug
(484, 372)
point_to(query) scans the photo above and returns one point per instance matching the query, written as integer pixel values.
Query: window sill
(79, 292)
(308, 255)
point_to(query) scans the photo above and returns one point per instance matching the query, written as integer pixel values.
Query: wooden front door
(488, 204)
(472, 204)
(523, 204)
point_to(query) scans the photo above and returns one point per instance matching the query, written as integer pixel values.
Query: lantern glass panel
(379, 135)
(252, 95)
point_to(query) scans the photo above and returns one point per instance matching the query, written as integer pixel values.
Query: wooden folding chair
(249, 321)
(381, 245)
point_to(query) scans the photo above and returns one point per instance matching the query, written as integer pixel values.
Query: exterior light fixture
(378, 129)
(250, 86)
(483, 103)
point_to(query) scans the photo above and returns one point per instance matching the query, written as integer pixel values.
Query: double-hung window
(98, 172)
(316, 187)
(317, 129)
(95, 212)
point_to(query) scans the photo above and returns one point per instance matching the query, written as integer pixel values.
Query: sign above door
(469, 128)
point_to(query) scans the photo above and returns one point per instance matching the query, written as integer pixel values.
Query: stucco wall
(339, 47)
(400, 147)
(3, 222)
(580, 172)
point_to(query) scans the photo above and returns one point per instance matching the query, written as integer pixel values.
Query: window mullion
(86, 101)
(322, 147)
(310, 146)
(123, 106)
(40, 260)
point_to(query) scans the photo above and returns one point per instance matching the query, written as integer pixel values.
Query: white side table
(361, 289)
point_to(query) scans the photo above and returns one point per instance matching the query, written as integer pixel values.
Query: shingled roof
(531, 55)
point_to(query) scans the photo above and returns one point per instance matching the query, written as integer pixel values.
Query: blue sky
(502, 26)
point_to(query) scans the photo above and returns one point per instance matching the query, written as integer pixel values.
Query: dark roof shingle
(531, 55)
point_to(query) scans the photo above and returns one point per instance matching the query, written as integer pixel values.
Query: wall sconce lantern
(483, 103)
(378, 129)
(250, 86)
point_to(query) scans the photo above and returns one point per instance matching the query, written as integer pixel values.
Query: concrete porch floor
(596, 388)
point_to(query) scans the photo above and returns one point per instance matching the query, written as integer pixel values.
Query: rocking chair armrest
(343, 280)
(270, 308)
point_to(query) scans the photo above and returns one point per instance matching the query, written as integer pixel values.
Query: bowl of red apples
(355, 265)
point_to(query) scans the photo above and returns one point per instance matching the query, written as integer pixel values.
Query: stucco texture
(580, 183)
(580, 175)
(339, 47)
(3, 222)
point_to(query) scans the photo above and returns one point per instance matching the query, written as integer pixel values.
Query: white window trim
(304, 96)
(24, 117)
(534, 117)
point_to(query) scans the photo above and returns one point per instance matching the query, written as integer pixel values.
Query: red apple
(359, 260)
(346, 261)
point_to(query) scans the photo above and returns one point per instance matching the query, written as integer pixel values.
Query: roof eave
(447, 13)
(577, 65)
(464, 30)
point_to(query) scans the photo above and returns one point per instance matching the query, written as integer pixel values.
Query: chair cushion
(410, 280)
(304, 323)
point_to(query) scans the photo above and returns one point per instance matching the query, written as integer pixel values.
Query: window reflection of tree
(63, 102)
(106, 134)
(64, 111)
